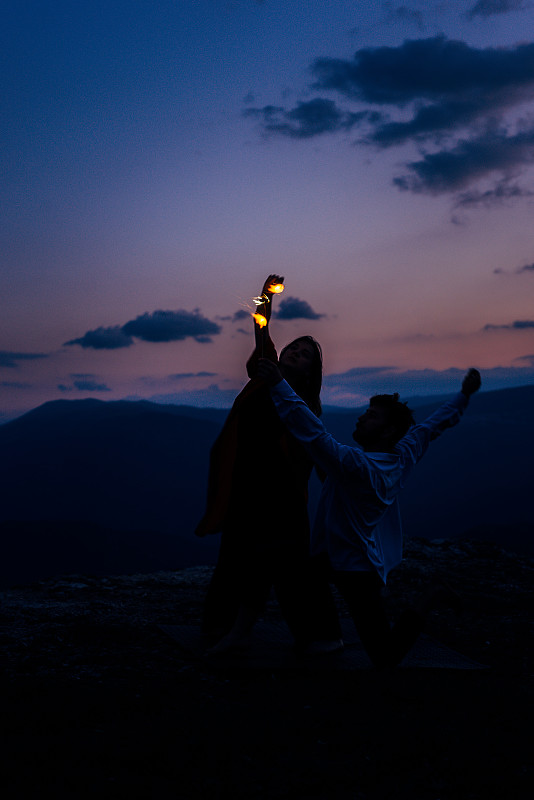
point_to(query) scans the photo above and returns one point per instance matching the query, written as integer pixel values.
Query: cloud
(404, 14)
(87, 385)
(159, 326)
(172, 326)
(111, 338)
(470, 159)
(179, 376)
(14, 385)
(456, 99)
(436, 69)
(488, 8)
(527, 359)
(84, 382)
(356, 386)
(519, 271)
(518, 325)
(307, 119)
(293, 308)
(9, 358)
(501, 192)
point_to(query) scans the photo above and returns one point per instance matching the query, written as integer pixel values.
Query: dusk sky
(160, 159)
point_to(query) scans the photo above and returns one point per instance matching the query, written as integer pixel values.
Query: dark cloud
(293, 308)
(307, 119)
(451, 96)
(111, 338)
(435, 69)
(14, 385)
(159, 326)
(518, 325)
(9, 358)
(488, 8)
(470, 159)
(171, 326)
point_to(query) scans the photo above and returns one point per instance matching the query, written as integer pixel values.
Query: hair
(310, 388)
(398, 413)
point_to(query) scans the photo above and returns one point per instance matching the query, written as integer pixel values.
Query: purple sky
(160, 159)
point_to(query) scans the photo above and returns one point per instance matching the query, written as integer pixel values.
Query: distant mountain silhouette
(119, 486)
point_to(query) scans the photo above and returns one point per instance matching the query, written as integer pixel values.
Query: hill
(119, 486)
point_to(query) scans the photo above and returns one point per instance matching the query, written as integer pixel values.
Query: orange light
(276, 288)
(260, 320)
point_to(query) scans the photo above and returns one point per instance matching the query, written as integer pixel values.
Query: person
(357, 535)
(256, 464)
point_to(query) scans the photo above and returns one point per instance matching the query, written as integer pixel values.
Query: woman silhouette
(257, 496)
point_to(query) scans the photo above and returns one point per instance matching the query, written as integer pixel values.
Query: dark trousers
(386, 646)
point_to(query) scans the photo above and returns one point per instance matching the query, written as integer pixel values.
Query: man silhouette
(357, 535)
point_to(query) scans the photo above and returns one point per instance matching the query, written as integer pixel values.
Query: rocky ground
(98, 702)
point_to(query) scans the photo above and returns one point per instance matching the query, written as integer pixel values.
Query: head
(385, 421)
(301, 364)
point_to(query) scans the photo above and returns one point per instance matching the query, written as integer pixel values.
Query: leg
(386, 646)
(307, 603)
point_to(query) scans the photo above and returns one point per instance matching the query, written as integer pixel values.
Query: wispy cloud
(518, 325)
(488, 8)
(11, 359)
(84, 382)
(307, 119)
(158, 326)
(180, 376)
(528, 268)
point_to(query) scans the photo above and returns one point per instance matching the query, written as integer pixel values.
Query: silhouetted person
(357, 537)
(255, 466)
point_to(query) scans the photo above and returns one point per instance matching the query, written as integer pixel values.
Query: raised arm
(414, 444)
(261, 330)
(333, 458)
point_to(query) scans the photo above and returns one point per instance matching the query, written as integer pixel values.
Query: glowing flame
(260, 320)
(261, 300)
(276, 288)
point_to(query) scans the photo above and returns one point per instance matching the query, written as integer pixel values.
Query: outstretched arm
(414, 444)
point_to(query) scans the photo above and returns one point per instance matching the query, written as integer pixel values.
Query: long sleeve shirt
(358, 521)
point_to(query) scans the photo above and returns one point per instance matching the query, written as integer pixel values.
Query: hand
(269, 372)
(272, 279)
(471, 383)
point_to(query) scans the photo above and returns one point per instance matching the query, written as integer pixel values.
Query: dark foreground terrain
(97, 702)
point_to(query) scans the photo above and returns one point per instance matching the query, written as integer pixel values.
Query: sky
(160, 159)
